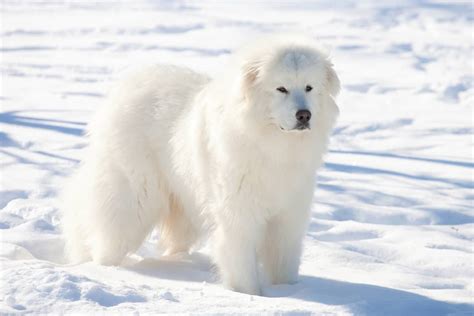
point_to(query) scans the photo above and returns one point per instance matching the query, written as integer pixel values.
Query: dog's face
(291, 87)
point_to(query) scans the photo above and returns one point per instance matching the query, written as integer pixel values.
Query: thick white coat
(194, 157)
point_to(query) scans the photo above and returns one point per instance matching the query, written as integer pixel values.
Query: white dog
(234, 158)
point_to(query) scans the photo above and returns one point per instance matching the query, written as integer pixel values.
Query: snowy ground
(392, 225)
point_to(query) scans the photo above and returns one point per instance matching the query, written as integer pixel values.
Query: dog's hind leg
(75, 248)
(117, 212)
(130, 207)
(177, 232)
(74, 220)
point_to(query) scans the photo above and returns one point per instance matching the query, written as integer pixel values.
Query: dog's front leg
(282, 246)
(236, 239)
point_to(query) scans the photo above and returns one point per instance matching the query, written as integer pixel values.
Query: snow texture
(392, 223)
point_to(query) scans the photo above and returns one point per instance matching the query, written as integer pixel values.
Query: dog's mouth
(301, 126)
(298, 127)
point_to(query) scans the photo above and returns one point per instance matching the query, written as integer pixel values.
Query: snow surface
(392, 223)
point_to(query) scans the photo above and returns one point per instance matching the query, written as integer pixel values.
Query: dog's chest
(275, 188)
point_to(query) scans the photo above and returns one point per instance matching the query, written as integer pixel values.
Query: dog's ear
(333, 83)
(250, 73)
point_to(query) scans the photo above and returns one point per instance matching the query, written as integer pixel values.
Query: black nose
(303, 116)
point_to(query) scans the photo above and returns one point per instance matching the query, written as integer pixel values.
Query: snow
(392, 223)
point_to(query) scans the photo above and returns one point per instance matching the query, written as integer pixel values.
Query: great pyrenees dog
(231, 160)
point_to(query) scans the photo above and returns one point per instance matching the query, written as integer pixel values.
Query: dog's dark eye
(282, 90)
(308, 88)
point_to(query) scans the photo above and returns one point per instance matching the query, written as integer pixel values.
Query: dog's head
(289, 85)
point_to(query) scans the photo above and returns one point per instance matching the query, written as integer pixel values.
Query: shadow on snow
(366, 299)
(48, 124)
(363, 299)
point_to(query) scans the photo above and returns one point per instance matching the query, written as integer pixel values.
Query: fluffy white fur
(194, 157)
